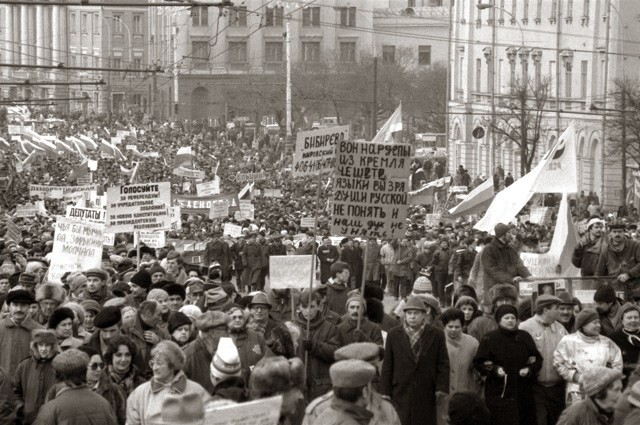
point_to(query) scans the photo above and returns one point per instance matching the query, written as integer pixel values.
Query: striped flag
(110, 149)
(183, 156)
(80, 171)
(62, 146)
(132, 173)
(81, 148)
(393, 125)
(88, 142)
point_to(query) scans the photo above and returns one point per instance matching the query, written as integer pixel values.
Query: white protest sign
(14, 129)
(92, 164)
(139, 207)
(232, 230)
(116, 140)
(83, 180)
(122, 133)
(176, 220)
(59, 192)
(432, 220)
(370, 189)
(77, 246)
(539, 215)
(308, 222)
(265, 411)
(219, 210)
(247, 210)
(150, 239)
(458, 189)
(109, 239)
(289, 271)
(209, 188)
(87, 214)
(315, 150)
(188, 173)
(272, 193)
(251, 177)
(27, 210)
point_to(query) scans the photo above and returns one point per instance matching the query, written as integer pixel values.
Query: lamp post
(118, 19)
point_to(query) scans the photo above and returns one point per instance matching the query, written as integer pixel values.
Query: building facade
(579, 47)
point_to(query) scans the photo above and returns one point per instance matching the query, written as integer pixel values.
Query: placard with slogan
(308, 222)
(265, 411)
(251, 177)
(272, 193)
(232, 230)
(316, 150)
(59, 192)
(209, 188)
(150, 239)
(219, 210)
(87, 214)
(201, 205)
(370, 189)
(137, 207)
(77, 246)
(289, 271)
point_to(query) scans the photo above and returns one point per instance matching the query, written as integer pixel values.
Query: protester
(566, 316)
(500, 294)
(119, 360)
(461, 349)
(338, 287)
(226, 375)
(276, 335)
(620, 260)
(355, 327)
(587, 251)
(16, 329)
(608, 307)
(628, 339)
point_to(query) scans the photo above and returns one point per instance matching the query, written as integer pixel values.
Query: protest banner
(432, 220)
(122, 134)
(251, 177)
(308, 222)
(150, 239)
(209, 188)
(289, 271)
(13, 232)
(315, 150)
(192, 252)
(540, 215)
(232, 230)
(188, 173)
(272, 193)
(458, 189)
(139, 207)
(27, 210)
(247, 210)
(14, 129)
(201, 205)
(264, 411)
(83, 181)
(219, 210)
(90, 215)
(370, 189)
(109, 239)
(176, 220)
(77, 246)
(59, 192)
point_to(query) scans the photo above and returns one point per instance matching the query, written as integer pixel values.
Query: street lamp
(118, 19)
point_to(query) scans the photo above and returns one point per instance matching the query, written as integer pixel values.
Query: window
(502, 9)
(200, 16)
(137, 24)
(347, 16)
(525, 10)
(389, 54)
(424, 55)
(72, 59)
(538, 71)
(584, 65)
(72, 22)
(310, 51)
(200, 50)
(568, 71)
(554, 8)
(569, 9)
(411, 3)
(585, 8)
(96, 24)
(311, 17)
(85, 61)
(514, 10)
(137, 99)
(499, 72)
(274, 16)
(237, 52)
(238, 17)
(348, 51)
(478, 75)
(539, 11)
(137, 63)
(117, 23)
(84, 23)
(273, 52)
(116, 63)
(552, 79)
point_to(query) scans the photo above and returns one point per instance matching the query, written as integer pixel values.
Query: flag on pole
(183, 156)
(88, 142)
(245, 193)
(81, 148)
(81, 170)
(110, 149)
(62, 146)
(131, 173)
(4, 145)
(393, 125)
(476, 201)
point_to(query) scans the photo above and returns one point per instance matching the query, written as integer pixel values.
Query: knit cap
(177, 319)
(51, 291)
(605, 294)
(505, 309)
(192, 311)
(597, 378)
(422, 285)
(142, 279)
(71, 362)
(226, 361)
(355, 297)
(586, 316)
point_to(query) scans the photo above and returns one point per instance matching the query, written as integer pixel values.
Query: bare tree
(520, 119)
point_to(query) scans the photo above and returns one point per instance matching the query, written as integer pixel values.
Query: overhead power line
(113, 4)
(63, 67)
(52, 83)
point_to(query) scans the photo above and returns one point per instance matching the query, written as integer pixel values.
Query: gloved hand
(307, 344)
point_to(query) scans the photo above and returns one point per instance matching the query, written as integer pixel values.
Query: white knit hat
(226, 361)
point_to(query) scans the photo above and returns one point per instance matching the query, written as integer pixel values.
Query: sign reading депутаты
(370, 189)
(137, 207)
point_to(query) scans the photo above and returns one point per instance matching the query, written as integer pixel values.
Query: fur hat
(375, 310)
(19, 296)
(44, 336)
(597, 378)
(177, 319)
(71, 362)
(142, 278)
(211, 319)
(175, 289)
(351, 373)
(372, 291)
(503, 290)
(171, 352)
(466, 300)
(585, 317)
(226, 361)
(91, 305)
(273, 375)
(58, 315)
(51, 291)
(605, 294)
(27, 278)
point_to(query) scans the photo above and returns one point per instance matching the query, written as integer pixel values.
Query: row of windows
(92, 61)
(523, 7)
(310, 52)
(117, 28)
(274, 16)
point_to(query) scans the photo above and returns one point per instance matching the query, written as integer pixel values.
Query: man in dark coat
(415, 371)
(327, 255)
(338, 287)
(348, 328)
(218, 250)
(621, 259)
(353, 258)
(587, 251)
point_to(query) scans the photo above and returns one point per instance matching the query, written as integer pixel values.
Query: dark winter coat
(7, 399)
(251, 348)
(630, 352)
(325, 340)
(76, 406)
(33, 378)
(369, 332)
(412, 383)
(501, 264)
(337, 296)
(586, 253)
(327, 255)
(196, 367)
(509, 399)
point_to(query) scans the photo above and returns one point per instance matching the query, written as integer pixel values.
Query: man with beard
(319, 344)
(97, 286)
(621, 259)
(349, 331)
(608, 307)
(15, 330)
(586, 253)
(566, 315)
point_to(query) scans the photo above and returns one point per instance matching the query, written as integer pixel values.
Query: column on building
(8, 25)
(39, 32)
(32, 34)
(24, 34)
(55, 35)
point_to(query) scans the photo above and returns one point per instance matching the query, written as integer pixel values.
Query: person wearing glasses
(144, 405)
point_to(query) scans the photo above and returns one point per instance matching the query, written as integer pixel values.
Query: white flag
(559, 174)
(393, 124)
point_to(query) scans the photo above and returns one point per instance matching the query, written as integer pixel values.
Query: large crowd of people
(427, 329)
